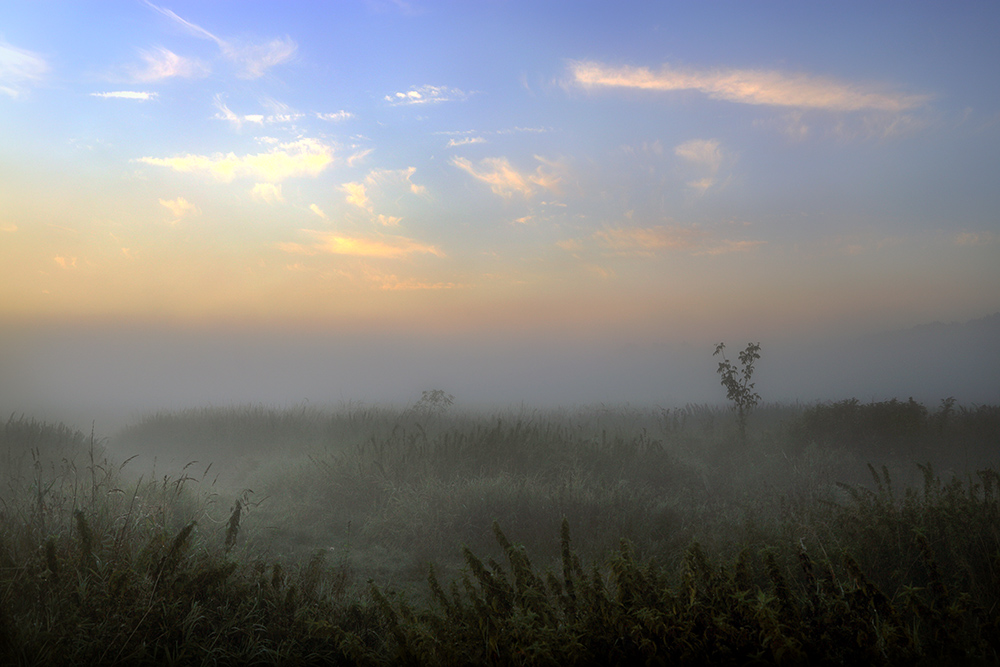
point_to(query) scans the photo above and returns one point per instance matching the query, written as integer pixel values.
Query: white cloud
(253, 58)
(180, 207)
(305, 157)
(335, 116)
(317, 210)
(749, 86)
(126, 95)
(283, 115)
(269, 193)
(164, 64)
(427, 95)
(19, 68)
(465, 141)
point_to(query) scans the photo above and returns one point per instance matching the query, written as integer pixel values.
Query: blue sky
(630, 172)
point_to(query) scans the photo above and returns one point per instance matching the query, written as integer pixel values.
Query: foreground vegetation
(827, 534)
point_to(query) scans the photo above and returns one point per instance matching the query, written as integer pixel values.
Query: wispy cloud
(387, 220)
(9, 227)
(252, 58)
(317, 210)
(282, 113)
(225, 113)
(973, 238)
(399, 176)
(19, 69)
(335, 116)
(305, 157)
(384, 247)
(391, 282)
(748, 86)
(65, 262)
(648, 241)
(126, 95)
(357, 195)
(269, 193)
(378, 180)
(704, 155)
(427, 95)
(465, 141)
(180, 207)
(505, 180)
(358, 156)
(165, 64)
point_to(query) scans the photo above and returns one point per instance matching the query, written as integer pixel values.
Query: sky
(409, 186)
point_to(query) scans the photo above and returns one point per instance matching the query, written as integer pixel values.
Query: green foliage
(739, 388)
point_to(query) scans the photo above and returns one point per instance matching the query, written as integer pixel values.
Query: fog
(113, 376)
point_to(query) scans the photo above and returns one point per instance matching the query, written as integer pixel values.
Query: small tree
(433, 402)
(739, 388)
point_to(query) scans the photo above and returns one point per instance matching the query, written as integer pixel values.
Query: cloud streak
(427, 95)
(165, 64)
(383, 247)
(305, 157)
(253, 58)
(747, 86)
(126, 95)
(648, 241)
(19, 68)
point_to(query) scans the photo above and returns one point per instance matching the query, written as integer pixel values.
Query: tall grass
(687, 546)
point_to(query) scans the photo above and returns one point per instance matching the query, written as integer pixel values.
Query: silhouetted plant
(739, 388)
(433, 402)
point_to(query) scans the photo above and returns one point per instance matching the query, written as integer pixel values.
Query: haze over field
(515, 202)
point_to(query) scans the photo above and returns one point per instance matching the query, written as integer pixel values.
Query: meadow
(833, 533)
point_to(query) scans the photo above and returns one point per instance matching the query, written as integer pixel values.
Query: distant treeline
(899, 428)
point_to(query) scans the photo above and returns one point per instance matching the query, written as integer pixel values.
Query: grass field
(836, 533)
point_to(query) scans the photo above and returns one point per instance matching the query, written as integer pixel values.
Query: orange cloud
(747, 86)
(505, 180)
(385, 247)
(646, 241)
(393, 283)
